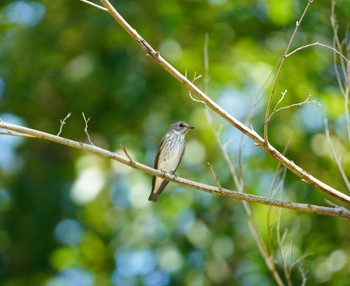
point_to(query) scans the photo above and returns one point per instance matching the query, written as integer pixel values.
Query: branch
(240, 185)
(63, 122)
(239, 180)
(215, 177)
(306, 101)
(344, 65)
(195, 77)
(126, 153)
(94, 5)
(86, 128)
(337, 158)
(317, 44)
(262, 143)
(268, 107)
(331, 211)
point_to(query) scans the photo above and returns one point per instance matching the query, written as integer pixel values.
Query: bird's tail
(156, 191)
(153, 197)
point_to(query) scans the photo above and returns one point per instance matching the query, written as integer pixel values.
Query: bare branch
(300, 259)
(283, 94)
(239, 181)
(336, 157)
(86, 128)
(126, 152)
(340, 212)
(262, 143)
(306, 101)
(8, 133)
(317, 44)
(94, 5)
(240, 185)
(195, 77)
(268, 107)
(334, 205)
(303, 276)
(63, 122)
(344, 65)
(216, 178)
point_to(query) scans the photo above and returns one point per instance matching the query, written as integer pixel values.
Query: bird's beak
(190, 127)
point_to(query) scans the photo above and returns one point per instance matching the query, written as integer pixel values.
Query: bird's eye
(181, 125)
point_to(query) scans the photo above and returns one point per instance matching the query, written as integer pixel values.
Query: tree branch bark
(262, 143)
(28, 132)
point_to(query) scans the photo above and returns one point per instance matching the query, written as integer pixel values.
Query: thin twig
(344, 65)
(206, 62)
(337, 41)
(303, 276)
(336, 157)
(63, 122)
(306, 101)
(328, 202)
(195, 77)
(283, 94)
(240, 185)
(300, 259)
(286, 255)
(274, 85)
(216, 178)
(239, 182)
(317, 44)
(95, 5)
(274, 189)
(86, 128)
(126, 152)
(283, 256)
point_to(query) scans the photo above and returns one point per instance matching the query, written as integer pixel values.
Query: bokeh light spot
(25, 13)
(68, 232)
(87, 186)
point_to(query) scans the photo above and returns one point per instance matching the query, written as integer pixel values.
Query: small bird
(169, 154)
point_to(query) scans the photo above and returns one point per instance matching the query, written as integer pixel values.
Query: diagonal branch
(262, 143)
(24, 131)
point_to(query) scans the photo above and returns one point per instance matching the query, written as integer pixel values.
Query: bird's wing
(160, 146)
(182, 154)
(156, 160)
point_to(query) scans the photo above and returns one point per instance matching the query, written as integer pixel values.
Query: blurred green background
(72, 218)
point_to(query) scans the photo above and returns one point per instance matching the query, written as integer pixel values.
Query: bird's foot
(169, 173)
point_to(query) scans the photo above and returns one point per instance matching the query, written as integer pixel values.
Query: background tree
(72, 218)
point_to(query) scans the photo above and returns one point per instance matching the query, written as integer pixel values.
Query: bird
(169, 154)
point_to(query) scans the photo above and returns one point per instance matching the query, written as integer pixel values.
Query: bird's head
(181, 127)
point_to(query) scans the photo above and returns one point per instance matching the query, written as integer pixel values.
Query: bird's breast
(169, 160)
